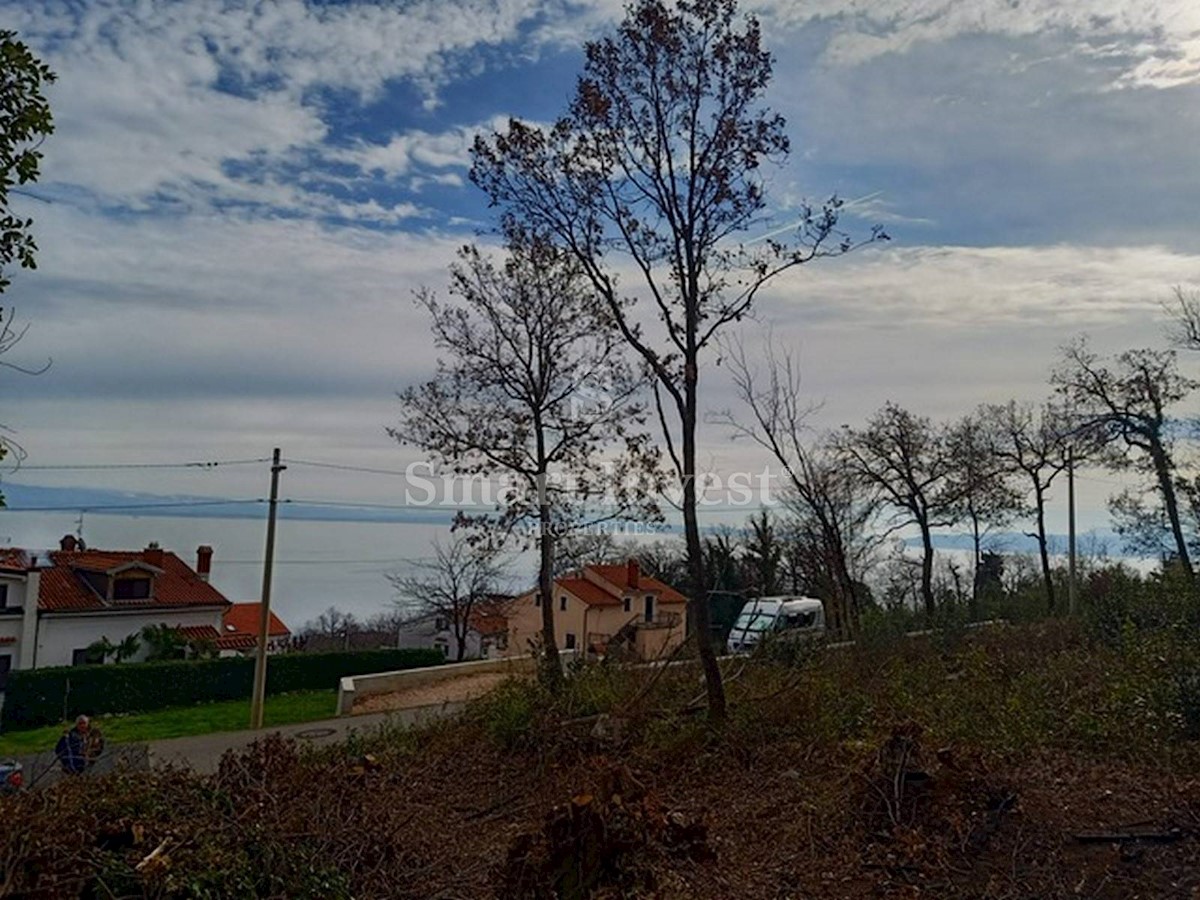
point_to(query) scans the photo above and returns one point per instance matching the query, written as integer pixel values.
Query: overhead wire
(100, 507)
(192, 464)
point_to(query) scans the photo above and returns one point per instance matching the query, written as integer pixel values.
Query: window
(440, 623)
(800, 620)
(5, 666)
(562, 603)
(3, 596)
(79, 657)
(649, 608)
(570, 641)
(537, 600)
(628, 604)
(131, 589)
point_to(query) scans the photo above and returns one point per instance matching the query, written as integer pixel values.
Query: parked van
(800, 617)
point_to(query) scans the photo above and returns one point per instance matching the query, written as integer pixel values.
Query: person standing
(80, 747)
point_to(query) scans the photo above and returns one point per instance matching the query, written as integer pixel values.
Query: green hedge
(36, 697)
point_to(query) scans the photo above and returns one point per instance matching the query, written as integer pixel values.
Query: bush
(509, 713)
(36, 697)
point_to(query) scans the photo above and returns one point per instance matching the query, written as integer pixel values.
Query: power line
(354, 504)
(344, 467)
(199, 464)
(83, 507)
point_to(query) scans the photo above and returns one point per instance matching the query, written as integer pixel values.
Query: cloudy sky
(240, 198)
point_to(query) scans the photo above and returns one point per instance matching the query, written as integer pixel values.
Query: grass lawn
(180, 721)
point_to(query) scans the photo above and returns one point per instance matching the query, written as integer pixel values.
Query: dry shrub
(607, 840)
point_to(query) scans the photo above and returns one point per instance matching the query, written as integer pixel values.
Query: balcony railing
(662, 620)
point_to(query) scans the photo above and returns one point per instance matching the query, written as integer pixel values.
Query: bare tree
(456, 581)
(665, 559)
(654, 169)
(987, 496)
(531, 385)
(335, 626)
(1126, 405)
(832, 514)
(578, 549)
(1034, 441)
(1184, 328)
(762, 555)
(907, 459)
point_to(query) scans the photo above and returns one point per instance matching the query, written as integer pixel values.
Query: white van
(793, 616)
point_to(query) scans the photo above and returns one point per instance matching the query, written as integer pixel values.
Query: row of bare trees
(995, 466)
(630, 229)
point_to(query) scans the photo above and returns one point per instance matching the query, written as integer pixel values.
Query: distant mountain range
(36, 498)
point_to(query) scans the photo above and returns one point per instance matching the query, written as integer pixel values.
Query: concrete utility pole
(1071, 530)
(264, 622)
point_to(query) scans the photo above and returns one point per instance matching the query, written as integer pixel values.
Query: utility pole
(264, 622)
(1071, 529)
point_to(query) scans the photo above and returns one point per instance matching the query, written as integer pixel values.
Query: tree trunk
(551, 669)
(978, 541)
(1043, 549)
(844, 582)
(927, 570)
(698, 602)
(1166, 486)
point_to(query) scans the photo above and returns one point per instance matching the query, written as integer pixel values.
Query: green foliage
(45, 696)
(508, 713)
(180, 721)
(164, 642)
(25, 121)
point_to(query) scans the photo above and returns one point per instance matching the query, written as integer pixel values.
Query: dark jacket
(72, 751)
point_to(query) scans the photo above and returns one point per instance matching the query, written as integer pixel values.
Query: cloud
(1064, 287)
(420, 151)
(1160, 39)
(192, 105)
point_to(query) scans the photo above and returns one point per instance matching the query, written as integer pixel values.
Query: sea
(317, 564)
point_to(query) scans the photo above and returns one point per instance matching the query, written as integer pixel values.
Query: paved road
(203, 752)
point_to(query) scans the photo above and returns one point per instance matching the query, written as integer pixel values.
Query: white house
(83, 595)
(486, 634)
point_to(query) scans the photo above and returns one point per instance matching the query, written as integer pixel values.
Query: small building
(56, 604)
(604, 609)
(240, 628)
(486, 635)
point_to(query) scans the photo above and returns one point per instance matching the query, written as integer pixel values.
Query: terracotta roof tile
(619, 575)
(62, 588)
(488, 623)
(243, 618)
(589, 592)
(13, 559)
(237, 642)
(199, 633)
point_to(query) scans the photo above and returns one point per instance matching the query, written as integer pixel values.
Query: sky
(240, 198)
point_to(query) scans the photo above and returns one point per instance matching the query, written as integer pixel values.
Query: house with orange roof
(485, 637)
(603, 609)
(240, 627)
(55, 604)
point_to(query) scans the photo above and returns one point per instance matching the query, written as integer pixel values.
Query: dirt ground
(465, 687)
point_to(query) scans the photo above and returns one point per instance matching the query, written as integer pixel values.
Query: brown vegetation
(1030, 761)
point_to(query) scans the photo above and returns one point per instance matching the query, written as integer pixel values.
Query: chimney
(204, 561)
(68, 543)
(632, 574)
(153, 554)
